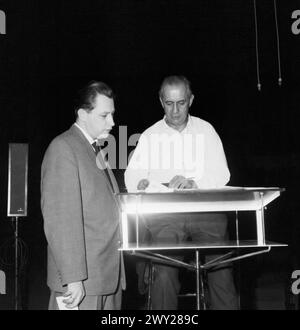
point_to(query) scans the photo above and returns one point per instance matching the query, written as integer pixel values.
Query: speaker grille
(17, 179)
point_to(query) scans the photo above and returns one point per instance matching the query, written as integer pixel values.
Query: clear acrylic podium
(235, 199)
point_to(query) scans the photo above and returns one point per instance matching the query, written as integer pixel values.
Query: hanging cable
(278, 45)
(256, 47)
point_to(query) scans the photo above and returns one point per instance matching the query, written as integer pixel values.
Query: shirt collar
(173, 129)
(88, 137)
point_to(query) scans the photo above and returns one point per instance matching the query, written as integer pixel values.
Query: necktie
(97, 149)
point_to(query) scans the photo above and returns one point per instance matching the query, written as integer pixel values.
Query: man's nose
(175, 108)
(111, 121)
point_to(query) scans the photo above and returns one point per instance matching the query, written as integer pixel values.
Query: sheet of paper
(157, 187)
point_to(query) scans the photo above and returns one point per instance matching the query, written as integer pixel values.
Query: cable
(7, 257)
(278, 44)
(256, 47)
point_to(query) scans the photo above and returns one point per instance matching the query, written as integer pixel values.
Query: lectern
(237, 199)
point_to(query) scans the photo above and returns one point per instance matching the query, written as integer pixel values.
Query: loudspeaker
(17, 180)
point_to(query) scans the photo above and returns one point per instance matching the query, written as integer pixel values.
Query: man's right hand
(143, 184)
(74, 294)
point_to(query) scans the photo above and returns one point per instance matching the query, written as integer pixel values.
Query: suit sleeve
(62, 211)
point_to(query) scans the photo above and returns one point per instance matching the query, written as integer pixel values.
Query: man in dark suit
(81, 215)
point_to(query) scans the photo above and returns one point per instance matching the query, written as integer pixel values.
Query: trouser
(92, 302)
(202, 228)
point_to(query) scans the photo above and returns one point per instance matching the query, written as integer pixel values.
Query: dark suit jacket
(81, 217)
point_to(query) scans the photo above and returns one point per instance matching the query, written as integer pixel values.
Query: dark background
(52, 48)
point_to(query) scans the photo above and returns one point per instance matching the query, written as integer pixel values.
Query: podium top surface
(199, 200)
(197, 245)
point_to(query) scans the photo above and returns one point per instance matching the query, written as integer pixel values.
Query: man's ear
(81, 114)
(191, 100)
(161, 102)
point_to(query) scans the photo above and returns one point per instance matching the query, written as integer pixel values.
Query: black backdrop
(52, 48)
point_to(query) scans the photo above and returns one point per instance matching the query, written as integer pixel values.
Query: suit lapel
(77, 132)
(115, 189)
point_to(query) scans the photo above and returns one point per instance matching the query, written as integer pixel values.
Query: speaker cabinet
(17, 180)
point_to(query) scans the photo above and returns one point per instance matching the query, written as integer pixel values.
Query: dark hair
(87, 95)
(175, 80)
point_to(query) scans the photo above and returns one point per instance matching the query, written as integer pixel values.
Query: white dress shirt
(163, 152)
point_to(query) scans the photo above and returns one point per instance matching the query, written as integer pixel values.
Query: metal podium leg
(150, 283)
(200, 293)
(260, 222)
(197, 280)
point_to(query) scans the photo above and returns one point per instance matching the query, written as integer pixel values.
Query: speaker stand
(15, 220)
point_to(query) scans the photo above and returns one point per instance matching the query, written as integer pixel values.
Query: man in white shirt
(183, 152)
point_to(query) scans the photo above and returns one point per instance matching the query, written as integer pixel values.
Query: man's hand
(74, 294)
(180, 182)
(143, 184)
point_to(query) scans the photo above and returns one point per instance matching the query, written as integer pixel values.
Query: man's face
(99, 121)
(176, 103)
